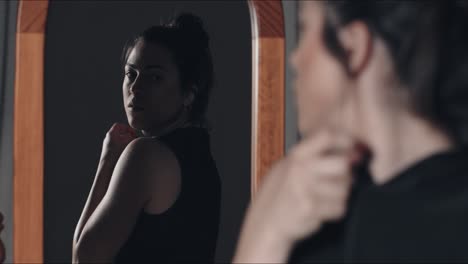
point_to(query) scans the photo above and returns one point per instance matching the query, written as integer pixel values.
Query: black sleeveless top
(188, 230)
(419, 216)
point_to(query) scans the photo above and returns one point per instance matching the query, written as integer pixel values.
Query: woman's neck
(180, 120)
(399, 140)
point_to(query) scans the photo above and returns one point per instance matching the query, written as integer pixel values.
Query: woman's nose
(136, 86)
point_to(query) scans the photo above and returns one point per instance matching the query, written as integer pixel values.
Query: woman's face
(320, 78)
(151, 88)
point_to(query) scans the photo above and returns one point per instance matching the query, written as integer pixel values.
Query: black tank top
(420, 216)
(188, 230)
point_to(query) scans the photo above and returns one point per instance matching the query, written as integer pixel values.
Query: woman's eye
(130, 75)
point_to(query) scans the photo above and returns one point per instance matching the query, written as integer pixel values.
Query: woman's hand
(117, 138)
(115, 142)
(307, 188)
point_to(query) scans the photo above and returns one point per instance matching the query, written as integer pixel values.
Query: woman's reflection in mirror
(157, 197)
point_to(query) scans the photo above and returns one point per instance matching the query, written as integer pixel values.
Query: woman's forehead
(146, 54)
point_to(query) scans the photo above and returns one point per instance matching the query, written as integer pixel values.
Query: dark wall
(83, 98)
(8, 11)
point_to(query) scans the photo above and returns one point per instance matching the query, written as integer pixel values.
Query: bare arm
(98, 190)
(110, 224)
(141, 164)
(117, 138)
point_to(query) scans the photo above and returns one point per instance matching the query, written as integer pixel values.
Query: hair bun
(192, 26)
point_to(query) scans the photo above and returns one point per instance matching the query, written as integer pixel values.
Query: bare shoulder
(150, 153)
(160, 169)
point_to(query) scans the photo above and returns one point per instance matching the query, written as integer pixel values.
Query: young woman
(382, 171)
(157, 197)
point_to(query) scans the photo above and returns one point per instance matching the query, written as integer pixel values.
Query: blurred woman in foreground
(382, 171)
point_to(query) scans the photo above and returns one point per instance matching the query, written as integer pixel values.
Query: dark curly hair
(428, 43)
(188, 42)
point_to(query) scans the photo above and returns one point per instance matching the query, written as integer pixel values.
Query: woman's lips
(136, 108)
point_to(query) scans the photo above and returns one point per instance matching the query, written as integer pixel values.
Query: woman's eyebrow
(147, 67)
(150, 67)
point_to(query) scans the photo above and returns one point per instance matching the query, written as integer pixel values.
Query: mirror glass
(83, 98)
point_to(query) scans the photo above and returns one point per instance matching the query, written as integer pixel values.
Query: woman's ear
(357, 41)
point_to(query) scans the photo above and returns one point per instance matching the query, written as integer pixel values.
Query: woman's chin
(136, 124)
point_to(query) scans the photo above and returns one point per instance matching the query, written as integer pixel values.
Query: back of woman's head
(188, 42)
(428, 44)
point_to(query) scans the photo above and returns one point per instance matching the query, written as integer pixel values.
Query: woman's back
(188, 229)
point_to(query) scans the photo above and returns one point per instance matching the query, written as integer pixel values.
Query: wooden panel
(268, 50)
(32, 16)
(269, 17)
(28, 148)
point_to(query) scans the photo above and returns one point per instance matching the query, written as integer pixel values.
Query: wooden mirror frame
(268, 77)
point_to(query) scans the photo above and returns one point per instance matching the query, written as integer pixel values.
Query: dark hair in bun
(192, 27)
(186, 38)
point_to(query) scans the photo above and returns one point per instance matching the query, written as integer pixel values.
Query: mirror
(68, 89)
